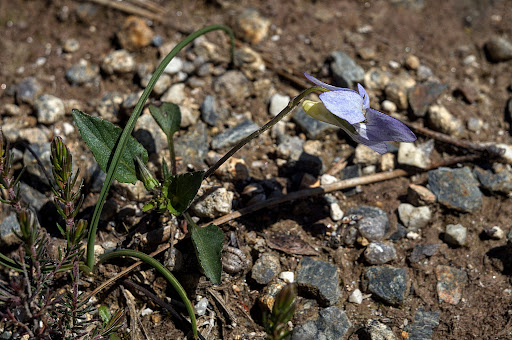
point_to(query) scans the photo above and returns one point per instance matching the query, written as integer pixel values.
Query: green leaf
(165, 170)
(104, 314)
(168, 117)
(102, 137)
(208, 242)
(181, 190)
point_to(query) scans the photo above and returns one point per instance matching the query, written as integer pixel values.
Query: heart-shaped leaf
(101, 137)
(167, 116)
(208, 242)
(181, 189)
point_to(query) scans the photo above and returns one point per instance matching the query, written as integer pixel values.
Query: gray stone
(290, 147)
(365, 155)
(277, 103)
(174, 66)
(149, 134)
(233, 85)
(43, 152)
(455, 188)
(378, 331)
(175, 94)
(130, 100)
(373, 223)
(501, 181)
(82, 72)
(193, 145)
(251, 25)
(266, 268)
(423, 95)
(28, 90)
(334, 208)
(120, 61)
(49, 109)
(418, 156)
(70, 45)
(423, 325)
(387, 283)
(161, 85)
(332, 323)
(414, 218)
(376, 79)
(319, 278)
(456, 234)
(209, 110)
(425, 73)
(7, 236)
(498, 49)
(234, 135)
(399, 233)
(379, 253)
(356, 297)
(109, 105)
(33, 197)
(422, 251)
(95, 177)
(311, 126)
(214, 203)
(442, 120)
(189, 116)
(397, 94)
(249, 61)
(345, 71)
(475, 124)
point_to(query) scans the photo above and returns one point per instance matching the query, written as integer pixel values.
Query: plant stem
(291, 105)
(123, 139)
(172, 154)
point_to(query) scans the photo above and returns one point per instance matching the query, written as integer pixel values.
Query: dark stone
(379, 253)
(193, 145)
(8, 226)
(422, 251)
(351, 171)
(319, 278)
(81, 73)
(95, 177)
(372, 222)
(28, 90)
(234, 135)
(498, 49)
(266, 268)
(423, 325)
(496, 182)
(332, 323)
(455, 188)
(32, 197)
(387, 283)
(399, 234)
(209, 111)
(37, 178)
(312, 127)
(305, 163)
(508, 113)
(345, 71)
(422, 95)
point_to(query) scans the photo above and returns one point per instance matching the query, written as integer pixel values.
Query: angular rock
(450, 282)
(378, 331)
(419, 195)
(332, 323)
(319, 278)
(455, 188)
(423, 325)
(356, 297)
(32, 167)
(501, 181)
(345, 71)
(387, 283)
(174, 66)
(214, 203)
(32, 197)
(8, 237)
(193, 145)
(423, 95)
(311, 126)
(399, 234)
(373, 223)
(50, 109)
(456, 234)
(234, 135)
(379, 253)
(418, 156)
(442, 120)
(82, 72)
(498, 49)
(28, 90)
(266, 268)
(422, 251)
(414, 218)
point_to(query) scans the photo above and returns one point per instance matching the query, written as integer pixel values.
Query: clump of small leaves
(276, 324)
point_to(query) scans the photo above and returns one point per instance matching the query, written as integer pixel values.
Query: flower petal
(366, 97)
(327, 86)
(381, 127)
(318, 111)
(347, 105)
(377, 146)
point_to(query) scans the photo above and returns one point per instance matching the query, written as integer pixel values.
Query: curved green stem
(129, 128)
(164, 271)
(291, 105)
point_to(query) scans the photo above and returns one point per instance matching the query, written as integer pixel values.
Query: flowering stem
(291, 105)
(172, 154)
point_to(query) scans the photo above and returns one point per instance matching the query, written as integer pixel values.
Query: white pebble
(288, 277)
(146, 311)
(356, 297)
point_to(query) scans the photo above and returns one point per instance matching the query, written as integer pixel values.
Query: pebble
(249, 62)
(149, 134)
(389, 106)
(423, 326)
(135, 34)
(498, 49)
(419, 195)
(450, 282)
(216, 203)
(456, 234)
(455, 188)
(232, 85)
(345, 71)
(399, 234)
(356, 297)
(387, 283)
(8, 227)
(367, 53)
(94, 177)
(311, 126)
(130, 100)
(50, 109)
(379, 253)
(70, 45)
(365, 155)
(334, 208)
(161, 85)
(319, 278)
(209, 110)
(277, 103)
(423, 95)
(288, 277)
(378, 331)
(397, 94)
(373, 223)
(11, 109)
(251, 26)
(412, 62)
(414, 218)
(496, 233)
(422, 251)
(120, 61)
(497, 181)
(174, 66)
(33, 197)
(201, 306)
(475, 124)
(43, 152)
(109, 105)
(425, 73)
(189, 116)
(442, 120)
(82, 72)
(175, 94)
(387, 162)
(418, 156)
(376, 79)
(332, 323)
(28, 90)
(266, 268)
(193, 145)
(234, 135)
(290, 147)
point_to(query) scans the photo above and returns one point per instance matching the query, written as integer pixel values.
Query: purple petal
(381, 127)
(365, 96)
(322, 84)
(347, 105)
(379, 147)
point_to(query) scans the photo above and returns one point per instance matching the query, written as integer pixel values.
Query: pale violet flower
(350, 110)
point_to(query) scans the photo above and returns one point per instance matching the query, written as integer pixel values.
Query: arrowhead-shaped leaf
(101, 137)
(180, 190)
(167, 116)
(208, 242)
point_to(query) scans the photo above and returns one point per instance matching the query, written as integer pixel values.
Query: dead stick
(129, 8)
